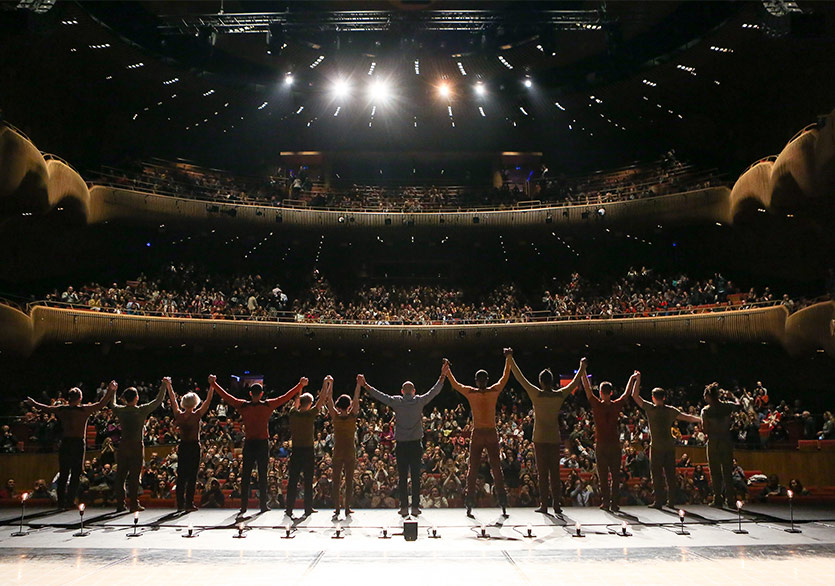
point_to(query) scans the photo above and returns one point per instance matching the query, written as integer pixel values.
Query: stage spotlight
(480, 90)
(340, 89)
(528, 83)
(379, 91)
(288, 79)
(443, 90)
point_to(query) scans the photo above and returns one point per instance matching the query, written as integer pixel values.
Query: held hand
(508, 352)
(584, 363)
(361, 380)
(112, 386)
(329, 379)
(167, 381)
(303, 381)
(212, 380)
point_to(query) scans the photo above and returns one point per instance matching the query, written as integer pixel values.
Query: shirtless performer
(482, 400)
(344, 412)
(547, 403)
(188, 419)
(73, 418)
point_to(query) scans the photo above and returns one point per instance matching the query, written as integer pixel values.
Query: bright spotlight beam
(379, 91)
(340, 89)
(288, 79)
(528, 83)
(443, 90)
(480, 90)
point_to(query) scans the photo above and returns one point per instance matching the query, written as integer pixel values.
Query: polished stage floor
(653, 552)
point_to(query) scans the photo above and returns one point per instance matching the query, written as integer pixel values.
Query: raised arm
(436, 388)
(294, 392)
(172, 398)
(327, 390)
(500, 384)
(691, 418)
(226, 397)
(626, 392)
(531, 389)
(355, 403)
(590, 395)
(149, 407)
(381, 397)
(575, 382)
(463, 389)
(41, 406)
(636, 392)
(204, 408)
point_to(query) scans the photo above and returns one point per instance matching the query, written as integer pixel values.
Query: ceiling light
(340, 89)
(379, 91)
(288, 79)
(480, 89)
(443, 90)
(528, 83)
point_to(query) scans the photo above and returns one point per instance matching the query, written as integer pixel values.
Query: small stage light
(288, 79)
(528, 83)
(480, 90)
(443, 90)
(578, 530)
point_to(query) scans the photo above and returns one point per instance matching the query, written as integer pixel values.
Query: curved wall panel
(57, 325)
(812, 329)
(23, 174)
(16, 331)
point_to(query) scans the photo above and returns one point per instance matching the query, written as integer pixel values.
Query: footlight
(190, 532)
(433, 533)
(578, 530)
(20, 532)
(288, 532)
(739, 530)
(338, 533)
(529, 532)
(384, 533)
(240, 534)
(792, 529)
(135, 525)
(624, 530)
(482, 534)
(681, 530)
(81, 532)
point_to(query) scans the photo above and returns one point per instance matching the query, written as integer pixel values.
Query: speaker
(410, 529)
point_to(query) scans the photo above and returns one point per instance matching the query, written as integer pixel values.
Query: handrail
(802, 131)
(17, 130)
(285, 204)
(50, 156)
(290, 317)
(768, 159)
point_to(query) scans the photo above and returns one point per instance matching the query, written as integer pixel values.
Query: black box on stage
(410, 530)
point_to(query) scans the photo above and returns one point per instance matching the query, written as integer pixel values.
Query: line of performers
(408, 408)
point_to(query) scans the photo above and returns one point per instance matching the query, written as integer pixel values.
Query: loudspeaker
(410, 529)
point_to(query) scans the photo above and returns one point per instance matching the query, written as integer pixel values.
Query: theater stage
(653, 552)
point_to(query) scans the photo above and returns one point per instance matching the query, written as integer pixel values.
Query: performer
(546, 428)
(482, 401)
(662, 449)
(188, 420)
(256, 419)
(716, 419)
(302, 420)
(607, 447)
(344, 412)
(73, 418)
(131, 455)
(408, 433)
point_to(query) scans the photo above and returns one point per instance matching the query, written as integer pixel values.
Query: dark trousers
(548, 471)
(256, 453)
(301, 461)
(70, 462)
(662, 465)
(486, 439)
(608, 465)
(129, 462)
(409, 462)
(720, 459)
(188, 461)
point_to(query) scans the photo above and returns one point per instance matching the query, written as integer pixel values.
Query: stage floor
(654, 553)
